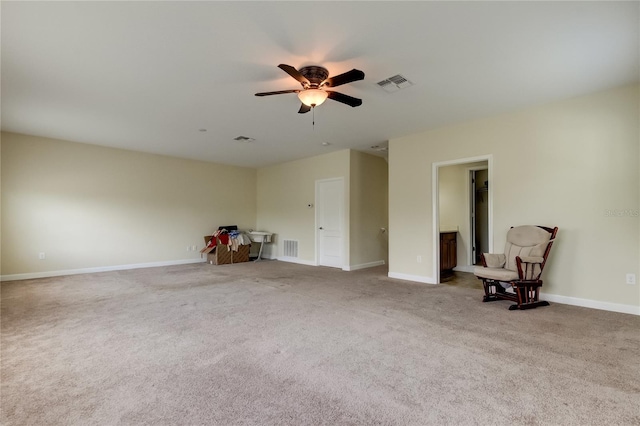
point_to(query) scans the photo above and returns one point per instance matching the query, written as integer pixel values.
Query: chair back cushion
(525, 240)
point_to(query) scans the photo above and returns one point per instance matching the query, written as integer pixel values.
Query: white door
(329, 222)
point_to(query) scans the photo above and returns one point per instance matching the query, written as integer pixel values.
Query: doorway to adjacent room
(461, 208)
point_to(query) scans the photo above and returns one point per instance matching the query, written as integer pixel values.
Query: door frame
(343, 221)
(435, 203)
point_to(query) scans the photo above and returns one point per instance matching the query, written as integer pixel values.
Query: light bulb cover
(312, 97)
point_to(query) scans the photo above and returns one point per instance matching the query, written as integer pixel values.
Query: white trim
(296, 260)
(464, 160)
(47, 274)
(566, 300)
(407, 277)
(268, 256)
(363, 265)
(465, 268)
(435, 206)
(589, 303)
(435, 203)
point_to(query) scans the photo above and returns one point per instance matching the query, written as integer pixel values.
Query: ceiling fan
(314, 79)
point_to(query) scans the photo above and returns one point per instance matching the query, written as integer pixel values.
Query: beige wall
(87, 206)
(562, 164)
(90, 207)
(284, 192)
(369, 209)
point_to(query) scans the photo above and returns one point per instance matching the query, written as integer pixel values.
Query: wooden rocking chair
(519, 269)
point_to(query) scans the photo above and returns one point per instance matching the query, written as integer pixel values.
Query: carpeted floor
(272, 343)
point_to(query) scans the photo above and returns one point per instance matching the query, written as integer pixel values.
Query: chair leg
(528, 305)
(527, 293)
(490, 290)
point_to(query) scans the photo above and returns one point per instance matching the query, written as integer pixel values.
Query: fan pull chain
(313, 113)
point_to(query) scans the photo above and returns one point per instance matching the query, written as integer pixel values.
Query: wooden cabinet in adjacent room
(448, 253)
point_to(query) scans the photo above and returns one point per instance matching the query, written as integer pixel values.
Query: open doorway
(455, 210)
(478, 214)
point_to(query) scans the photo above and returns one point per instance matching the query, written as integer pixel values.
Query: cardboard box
(242, 255)
(220, 254)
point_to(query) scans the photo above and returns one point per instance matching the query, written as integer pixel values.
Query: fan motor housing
(315, 74)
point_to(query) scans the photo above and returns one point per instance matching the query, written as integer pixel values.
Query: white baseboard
(33, 275)
(363, 265)
(407, 277)
(465, 268)
(594, 304)
(268, 257)
(574, 301)
(567, 300)
(296, 260)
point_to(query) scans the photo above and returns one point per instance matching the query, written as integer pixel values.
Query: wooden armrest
(529, 272)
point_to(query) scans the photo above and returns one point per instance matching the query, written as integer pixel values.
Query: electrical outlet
(188, 248)
(631, 279)
(419, 259)
(41, 255)
(194, 248)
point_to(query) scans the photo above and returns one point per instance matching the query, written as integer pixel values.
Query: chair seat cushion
(498, 274)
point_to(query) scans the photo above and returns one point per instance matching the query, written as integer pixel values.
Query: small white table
(260, 237)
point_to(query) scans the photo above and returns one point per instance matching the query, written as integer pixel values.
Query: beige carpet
(272, 343)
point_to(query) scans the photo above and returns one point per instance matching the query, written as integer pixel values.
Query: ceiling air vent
(394, 83)
(243, 139)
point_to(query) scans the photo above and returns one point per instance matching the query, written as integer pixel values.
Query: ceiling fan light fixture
(312, 97)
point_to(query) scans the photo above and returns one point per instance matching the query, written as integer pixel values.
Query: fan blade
(281, 92)
(345, 99)
(344, 78)
(304, 109)
(295, 74)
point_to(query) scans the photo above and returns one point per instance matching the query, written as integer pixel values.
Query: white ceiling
(147, 76)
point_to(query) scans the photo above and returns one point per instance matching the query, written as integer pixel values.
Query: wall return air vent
(290, 248)
(394, 83)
